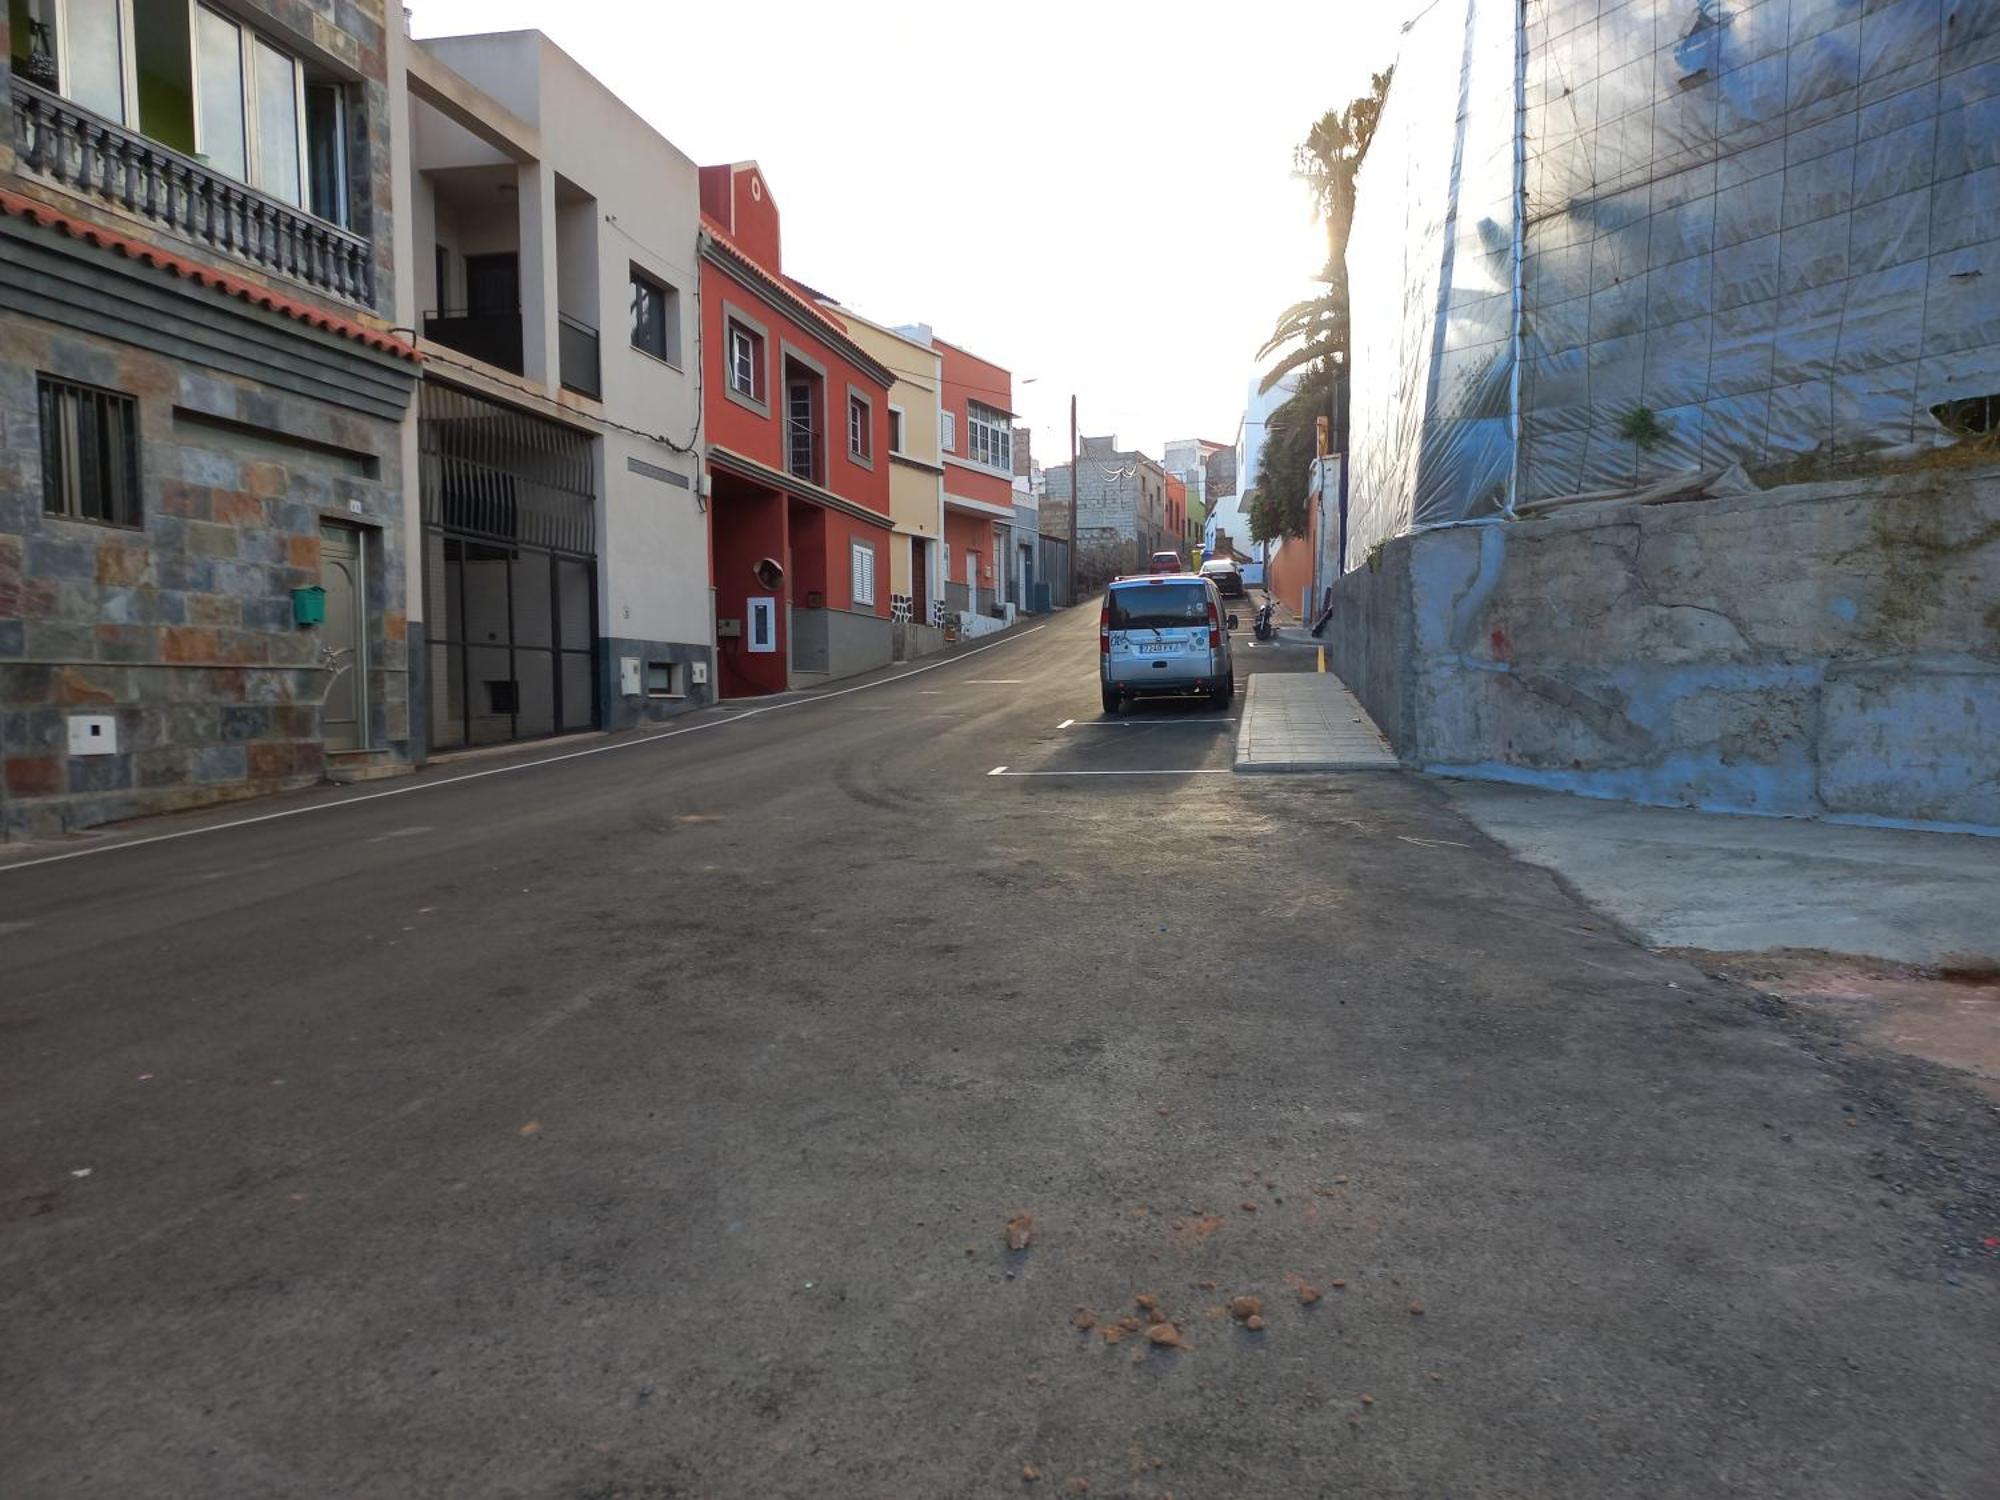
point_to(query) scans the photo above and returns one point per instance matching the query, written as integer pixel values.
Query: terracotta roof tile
(37, 212)
(791, 296)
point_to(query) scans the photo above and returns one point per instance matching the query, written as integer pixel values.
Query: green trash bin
(309, 606)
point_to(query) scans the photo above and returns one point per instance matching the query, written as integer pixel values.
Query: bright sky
(1101, 197)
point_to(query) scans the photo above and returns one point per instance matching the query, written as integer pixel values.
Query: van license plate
(1158, 650)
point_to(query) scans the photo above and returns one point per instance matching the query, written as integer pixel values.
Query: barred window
(90, 453)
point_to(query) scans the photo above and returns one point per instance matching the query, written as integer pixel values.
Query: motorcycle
(1266, 627)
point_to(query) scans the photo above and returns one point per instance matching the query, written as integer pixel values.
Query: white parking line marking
(1143, 723)
(526, 765)
(1195, 771)
(1065, 723)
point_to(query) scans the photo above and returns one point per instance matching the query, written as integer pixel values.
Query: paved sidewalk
(1307, 721)
(1727, 883)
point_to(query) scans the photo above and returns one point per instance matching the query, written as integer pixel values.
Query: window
(663, 679)
(895, 429)
(864, 574)
(859, 438)
(746, 361)
(948, 430)
(197, 81)
(989, 436)
(1157, 606)
(803, 455)
(90, 453)
(326, 148)
(656, 318)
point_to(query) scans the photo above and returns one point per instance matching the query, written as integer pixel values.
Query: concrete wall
(839, 642)
(1818, 650)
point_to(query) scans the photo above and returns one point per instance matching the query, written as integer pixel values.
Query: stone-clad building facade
(201, 497)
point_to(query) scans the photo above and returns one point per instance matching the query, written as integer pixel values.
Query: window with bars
(90, 453)
(989, 436)
(864, 574)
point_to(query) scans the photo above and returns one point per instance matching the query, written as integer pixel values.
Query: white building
(551, 279)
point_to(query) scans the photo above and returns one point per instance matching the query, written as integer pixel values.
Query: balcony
(577, 356)
(492, 337)
(93, 158)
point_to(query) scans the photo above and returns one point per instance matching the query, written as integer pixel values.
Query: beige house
(916, 479)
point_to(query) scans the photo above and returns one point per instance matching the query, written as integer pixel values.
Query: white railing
(91, 156)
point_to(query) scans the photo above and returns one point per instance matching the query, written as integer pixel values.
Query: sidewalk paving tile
(1308, 721)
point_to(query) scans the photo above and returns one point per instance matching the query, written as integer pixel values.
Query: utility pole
(1075, 496)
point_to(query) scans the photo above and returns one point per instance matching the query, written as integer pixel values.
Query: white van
(1164, 635)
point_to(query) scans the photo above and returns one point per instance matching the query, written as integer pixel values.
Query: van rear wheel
(1112, 702)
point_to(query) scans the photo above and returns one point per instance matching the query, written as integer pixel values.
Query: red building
(797, 419)
(976, 442)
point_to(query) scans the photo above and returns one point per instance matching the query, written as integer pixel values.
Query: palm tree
(1313, 334)
(1316, 328)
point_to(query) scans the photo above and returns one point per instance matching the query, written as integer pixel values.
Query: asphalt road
(648, 1123)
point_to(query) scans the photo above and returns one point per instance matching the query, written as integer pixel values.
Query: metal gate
(510, 571)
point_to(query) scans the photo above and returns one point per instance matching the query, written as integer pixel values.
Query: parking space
(1163, 737)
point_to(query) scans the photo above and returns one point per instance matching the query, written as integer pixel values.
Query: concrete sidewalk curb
(1308, 721)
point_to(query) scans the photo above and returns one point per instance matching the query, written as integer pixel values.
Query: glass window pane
(277, 124)
(326, 150)
(649, 322)
(94, 59)
(219, 85)
(164, 66)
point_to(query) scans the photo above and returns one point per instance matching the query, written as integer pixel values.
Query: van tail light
(1214, 628)
(1104, 631)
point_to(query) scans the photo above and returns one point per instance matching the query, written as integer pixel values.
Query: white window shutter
(863, 574)
(948, 430)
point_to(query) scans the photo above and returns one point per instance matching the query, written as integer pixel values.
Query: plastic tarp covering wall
(1431, 271)
(1773, 225)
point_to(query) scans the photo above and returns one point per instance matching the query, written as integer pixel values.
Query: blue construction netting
(1743, 232)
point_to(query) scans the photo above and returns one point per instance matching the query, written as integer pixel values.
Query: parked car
(1224, 574)
(1166, 562)
(1164, 635)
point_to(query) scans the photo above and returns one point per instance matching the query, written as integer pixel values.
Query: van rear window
(1158, 606)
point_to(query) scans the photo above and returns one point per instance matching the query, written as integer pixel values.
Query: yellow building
(916, 479)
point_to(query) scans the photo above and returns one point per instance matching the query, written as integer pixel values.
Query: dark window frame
(73, 419)
(665, 303)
